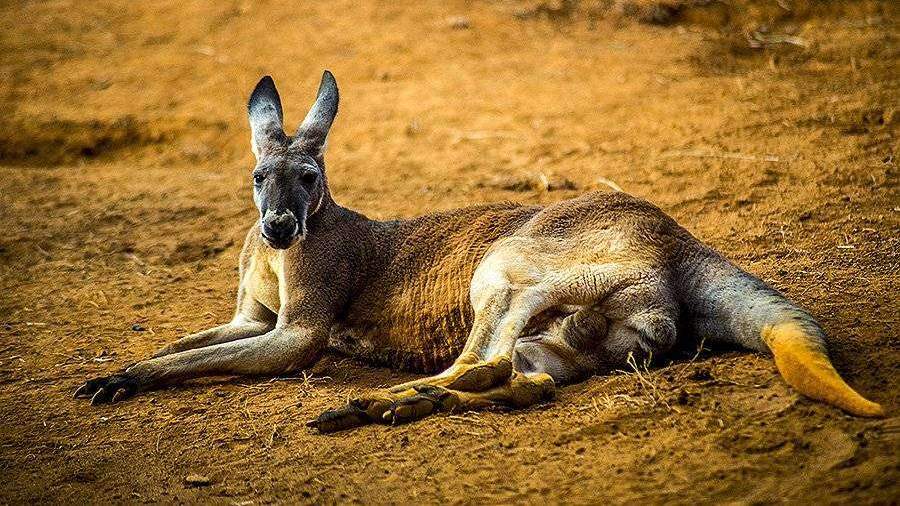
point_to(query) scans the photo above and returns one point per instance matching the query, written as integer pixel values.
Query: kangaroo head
(289, 183)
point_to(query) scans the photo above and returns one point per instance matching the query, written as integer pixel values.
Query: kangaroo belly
(552, 343)
(406, 347)
(420, 328)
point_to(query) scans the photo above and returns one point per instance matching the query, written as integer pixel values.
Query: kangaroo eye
(258, 178)
(309, 177)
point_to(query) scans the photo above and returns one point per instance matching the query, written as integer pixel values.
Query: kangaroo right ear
(266, 119)
(313, 132)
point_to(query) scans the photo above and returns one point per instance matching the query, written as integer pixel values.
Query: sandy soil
(125, 194)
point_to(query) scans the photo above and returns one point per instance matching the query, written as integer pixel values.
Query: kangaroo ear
(313, 132)
(264, 112)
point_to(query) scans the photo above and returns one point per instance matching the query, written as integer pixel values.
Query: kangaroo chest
(264, 281)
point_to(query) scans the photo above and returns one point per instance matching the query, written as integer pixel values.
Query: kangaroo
(508, 301)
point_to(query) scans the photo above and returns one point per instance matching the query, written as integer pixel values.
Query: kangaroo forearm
(275, 352)
(232, 331)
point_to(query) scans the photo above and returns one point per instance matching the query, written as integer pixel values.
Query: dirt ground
(769, 129)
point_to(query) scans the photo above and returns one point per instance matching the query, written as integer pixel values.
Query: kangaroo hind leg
(507, 292)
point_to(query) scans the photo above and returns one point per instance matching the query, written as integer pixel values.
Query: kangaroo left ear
(266, 118)
(313, 132)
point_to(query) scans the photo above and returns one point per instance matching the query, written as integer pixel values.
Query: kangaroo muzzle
(280, 229)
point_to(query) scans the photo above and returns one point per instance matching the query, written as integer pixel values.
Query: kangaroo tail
(726, 304)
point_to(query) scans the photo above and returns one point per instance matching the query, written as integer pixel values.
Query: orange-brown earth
(769, 129)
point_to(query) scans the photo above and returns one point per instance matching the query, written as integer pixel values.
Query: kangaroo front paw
(387, 408)
(109, 389)
(356, 413)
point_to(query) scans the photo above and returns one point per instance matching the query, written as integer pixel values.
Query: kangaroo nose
(279, 226)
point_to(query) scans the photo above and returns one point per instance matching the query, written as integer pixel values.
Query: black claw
(80, 392)
(89, 388)
(119, 395)
(98, 397)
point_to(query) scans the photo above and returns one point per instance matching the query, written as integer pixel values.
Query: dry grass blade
(700, 153)
(646, 381)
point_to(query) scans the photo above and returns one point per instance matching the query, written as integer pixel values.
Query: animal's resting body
(508, 300)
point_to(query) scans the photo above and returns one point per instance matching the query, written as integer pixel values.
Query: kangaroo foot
(518, 391)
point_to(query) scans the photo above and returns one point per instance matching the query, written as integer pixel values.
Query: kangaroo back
(726, 304)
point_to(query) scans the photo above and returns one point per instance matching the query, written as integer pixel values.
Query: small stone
(700, 375)
(137, 327)
(683, 398)
(197, 480)
(413, 128)
(459, 23)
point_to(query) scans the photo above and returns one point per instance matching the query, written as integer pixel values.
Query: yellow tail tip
(806, 367)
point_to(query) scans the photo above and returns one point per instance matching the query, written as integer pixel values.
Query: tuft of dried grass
(647, 381)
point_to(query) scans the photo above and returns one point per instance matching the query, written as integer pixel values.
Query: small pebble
(197, 480)
(459, 23)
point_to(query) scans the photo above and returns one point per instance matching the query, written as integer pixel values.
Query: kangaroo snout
(279, 229)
